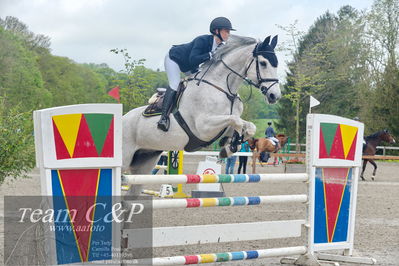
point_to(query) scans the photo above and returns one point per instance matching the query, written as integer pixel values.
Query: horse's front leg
(363, 168)
(226, 137)
(209, 126)
(248, 130)
(375, 169)
(206, 125)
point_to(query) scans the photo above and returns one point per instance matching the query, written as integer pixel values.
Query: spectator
(230, 163)
(243, 159)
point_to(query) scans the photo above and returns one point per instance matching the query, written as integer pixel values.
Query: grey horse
(209, 107)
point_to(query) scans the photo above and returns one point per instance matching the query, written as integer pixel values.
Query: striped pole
(226, 256)
(224, 202)
(195, 179)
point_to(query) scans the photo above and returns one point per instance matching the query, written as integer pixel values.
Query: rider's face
(225, 33)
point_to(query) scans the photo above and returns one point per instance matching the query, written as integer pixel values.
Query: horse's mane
(233, 43)
(375, 135)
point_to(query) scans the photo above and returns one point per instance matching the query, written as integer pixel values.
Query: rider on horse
(270, 134)
(187, 58)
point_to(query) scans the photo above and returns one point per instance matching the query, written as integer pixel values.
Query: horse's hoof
(372, 178)
(233, 148)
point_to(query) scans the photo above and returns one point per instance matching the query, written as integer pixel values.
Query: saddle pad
(154, 108)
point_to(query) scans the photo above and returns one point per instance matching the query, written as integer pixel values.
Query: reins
(231, 96)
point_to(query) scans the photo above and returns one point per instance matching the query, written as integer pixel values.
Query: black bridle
(260, 80)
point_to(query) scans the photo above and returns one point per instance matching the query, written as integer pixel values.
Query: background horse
(210, 105)
(265, 145)
(370, 148)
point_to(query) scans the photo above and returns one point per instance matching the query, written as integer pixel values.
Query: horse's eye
(263, 63)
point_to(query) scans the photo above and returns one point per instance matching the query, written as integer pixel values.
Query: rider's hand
(221, 44)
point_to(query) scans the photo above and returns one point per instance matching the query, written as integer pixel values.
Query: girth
(194, 143)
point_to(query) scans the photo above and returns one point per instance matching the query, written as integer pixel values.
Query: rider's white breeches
(173, 72)
(274, 139)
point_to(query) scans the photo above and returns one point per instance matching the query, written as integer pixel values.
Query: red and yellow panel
(83, 135)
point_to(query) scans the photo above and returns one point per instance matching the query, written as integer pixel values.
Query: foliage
(135, 83)
(383, 92)
(17, 155)
(307, 69)
(38, 42)
(20, 77)
(330, 64)
(255, 106)
(353, 58)
(70, 83)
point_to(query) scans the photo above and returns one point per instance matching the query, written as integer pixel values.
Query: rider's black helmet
(220, 23)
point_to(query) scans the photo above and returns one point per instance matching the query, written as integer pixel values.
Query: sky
(86, 30)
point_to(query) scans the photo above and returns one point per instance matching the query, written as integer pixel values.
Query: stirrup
(164, 124)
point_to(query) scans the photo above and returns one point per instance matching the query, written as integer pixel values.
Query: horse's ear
(274, 42)
(267, 40)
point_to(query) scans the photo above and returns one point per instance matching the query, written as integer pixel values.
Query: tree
(135, 81)
(347, 72)
(383, 94)
(17, 154)
(306, 74)
(20, 77)
(31, 40)
(329, 63)
(69, 82)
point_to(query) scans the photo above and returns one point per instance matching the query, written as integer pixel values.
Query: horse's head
(263, 69)
(252, 143)
(282, 138)
(387, 137)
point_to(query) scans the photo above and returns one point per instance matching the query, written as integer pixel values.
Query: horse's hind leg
(375, 169)
(143, 163)
(364, 168)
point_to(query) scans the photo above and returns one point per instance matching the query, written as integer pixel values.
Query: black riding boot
(164, 122)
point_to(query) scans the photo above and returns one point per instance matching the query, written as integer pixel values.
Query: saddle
(155, 102)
